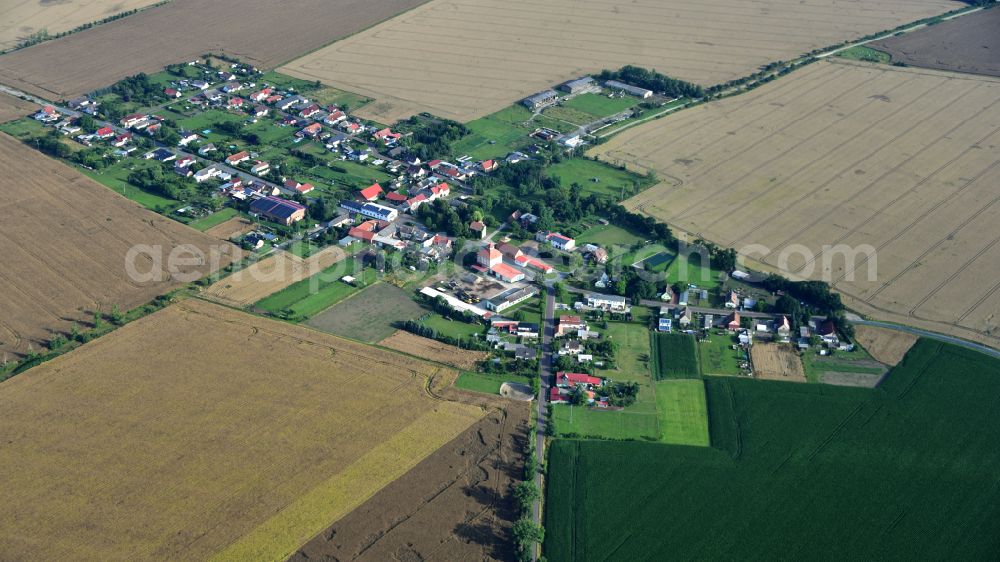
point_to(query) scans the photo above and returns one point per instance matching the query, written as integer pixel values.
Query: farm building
(540, 100)
(371, 210)
(637, 92)
(509, 298)
(570, 380)
(579, 86)
(278, 210)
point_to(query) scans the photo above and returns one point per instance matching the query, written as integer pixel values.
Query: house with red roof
(570, 324)
(489, 256)
(47, 114)
(733, 323)
(122, 139)
(235, 102)
(372, 192)
(387, 136)
(309, 111)
(261, 95)
(171, 93)
(105, 133)
(241, 156)
(478, 228)
(557, 397)
(396, 197)
(414, 203)
(311, 131)
(572, 380)
(507, 273)
(335, 116)
(533, 263)
(488, 165)
(440, 190)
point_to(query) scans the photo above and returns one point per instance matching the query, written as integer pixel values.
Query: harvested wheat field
(886, 346)
(486, 54)
(777, 362)
(455, 505)
(65, 243)
(264, 33)
(14, 108)
(235, 226)
(966, 44)
(22, 18)
(433, 350)
(899, 164)
(270, 275)
(133, 447)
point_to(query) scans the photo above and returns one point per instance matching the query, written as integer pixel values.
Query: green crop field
(368, 315)
(674, 356)
(452, 328)
(906, 471)
(599, 106)
(317, 293)
(717, 355)
(683, 412)
(865, 54)
(607, 235)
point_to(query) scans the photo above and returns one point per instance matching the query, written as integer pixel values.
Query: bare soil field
(777, 362)
(264, 33)
(455, 505)
(21, 18)
(232, 227)
(894, 171)
(134, 448)
(463, 59)
(886, 346)
(65, 243)
(967, 44)
(433, 350)
(14, 108)
(270, 275)
(368, 314)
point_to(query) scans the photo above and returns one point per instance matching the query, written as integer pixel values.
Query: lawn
(317, 293)
(496, 134)
(799, 472)
(687, 268)
(599, 106)
(597, 177)
(215, 219)
(841, 362)
(368, 315)
(24, 128)
(717, 356)
(607, 235)
(565, 113)
(683, 412)
(490, 384)
(865, 54)
(674, 356)
(116, 178)
(303, 249)
(452, 328)
(350, 174)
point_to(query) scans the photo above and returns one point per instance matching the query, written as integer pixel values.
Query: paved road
(545, 372)
(704, 310)
(930, 335)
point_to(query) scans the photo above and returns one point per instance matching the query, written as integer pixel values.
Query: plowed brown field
(966, 44)
(900, 165)
(463, 59)
(201, 432)
(455, 505)
(260, 32)
(65, 242)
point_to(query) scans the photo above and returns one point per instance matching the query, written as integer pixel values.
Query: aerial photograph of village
(484, 280)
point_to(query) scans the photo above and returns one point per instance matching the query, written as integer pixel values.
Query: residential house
(684, 318)
(122, 139)
(207, 174)
(171, 93)
(238, 158)
(571, 347)
(478, 229)
(311, 131)
(47, 114)
(334, 117)
(560, 242)
(569, 324)
(187, 137)
(206, 149)
(488, 166)
(612, 303)
(733, 323)
(573, 380)
(827, 330)
(184, 161)
(387, 136)
(105, 133)
(260, 168)
(782, 327)
(309, 111)
(732, 300)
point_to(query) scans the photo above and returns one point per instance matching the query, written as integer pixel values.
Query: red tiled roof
(394, 196)
(371, 192)
(505, 271)
(576, 378)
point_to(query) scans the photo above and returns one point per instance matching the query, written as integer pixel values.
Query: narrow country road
(930, 335)
(545, 372)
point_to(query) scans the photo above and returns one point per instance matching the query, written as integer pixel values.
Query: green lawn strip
(607, 235)
(865, 54)
(451, 328)
(683, 412)
(115, 177)
(495, 135)
(676, 356)
(717, 356)
(215, 219)
(310, 296)
(686, 269)
(489, 384)
(23, 128)
(597, 177)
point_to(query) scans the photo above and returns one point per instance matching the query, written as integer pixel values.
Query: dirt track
(455, 505)
(966, 44)
(261, 32)
(462, 59)
(65, 240)
(898, 165)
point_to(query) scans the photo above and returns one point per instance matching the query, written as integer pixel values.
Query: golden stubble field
(902, 165)
(463, 59)
(270, 275)
(433, 350)
(65, 239)
(14, 108)
(777, 362)
(201, 432)
(21, 18)
(886, 346)
(264, 33)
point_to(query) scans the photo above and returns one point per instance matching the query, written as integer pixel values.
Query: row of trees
(653, 80)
